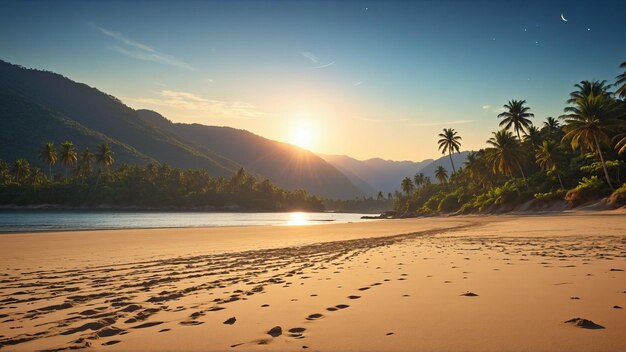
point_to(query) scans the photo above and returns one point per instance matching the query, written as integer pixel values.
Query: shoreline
(388, 285)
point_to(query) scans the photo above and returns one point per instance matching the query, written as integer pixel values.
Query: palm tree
(68, 154)
(21, 170)
(49, 156)
(621, 82)
(104, 155)
(551, 126)
(516, 116)
(418, 179)
(588, 125)
(441, 174)
(547, 155)
(380, 196)
(407, 185)
(37, 178)
(533, 136)
(449, 143)
(506, 153)
(587, 88)
(620, 146)
(85, 162)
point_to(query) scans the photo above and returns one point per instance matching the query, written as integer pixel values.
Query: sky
(359, 78)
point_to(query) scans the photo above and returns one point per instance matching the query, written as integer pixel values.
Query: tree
(84, 163)
(587, 88)
(49, 156)
(506, 153)
(104, 156)
(551, 127)
(547, 156)
(37, 178)
(21, 170)
(68, 155)
(407, 186)
(418, 179)
(621, 82)
(620, 146)
(450, 142)
(380, 196)
(533, 136)
(588, 125)
(441, 174)
(516, 116)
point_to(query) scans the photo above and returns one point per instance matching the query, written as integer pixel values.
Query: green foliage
(549, 196)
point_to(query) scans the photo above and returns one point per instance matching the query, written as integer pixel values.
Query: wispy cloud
(485, 107)
(356, 84)
(191, 102)
(445, 123)
(139, 51)
(370, 119)
(323, 66)
(309, 55)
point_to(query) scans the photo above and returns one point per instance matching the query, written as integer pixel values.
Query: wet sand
(551, 282)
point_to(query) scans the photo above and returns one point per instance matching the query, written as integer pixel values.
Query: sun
(303, 137)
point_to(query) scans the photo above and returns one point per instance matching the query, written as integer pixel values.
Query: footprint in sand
(314, 316)
(584, 324)
(354, 297)
(617, 307)
(342, 306)
(230, 321)
(389, 334)
(112, 342)
(469, 294)
(331, 309)
(364, 288)
(147, 325)
(276, 331)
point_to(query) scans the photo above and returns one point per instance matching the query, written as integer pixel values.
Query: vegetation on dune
(576, 158)
(146, 186)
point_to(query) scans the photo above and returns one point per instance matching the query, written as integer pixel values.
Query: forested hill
(40, 106)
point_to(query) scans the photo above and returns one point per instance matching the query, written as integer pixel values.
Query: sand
(550, 282)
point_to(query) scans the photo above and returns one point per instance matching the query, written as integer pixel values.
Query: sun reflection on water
(297, 218)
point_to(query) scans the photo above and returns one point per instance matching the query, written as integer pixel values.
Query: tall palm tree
(506, 153)
(587, 88)
(37, 178)
(621, 82)
(547, 156)
(407, 185)
(588, 125)
(441, 174)
(68, 155)
(49, 156)
(516, 116)
(104, 155)
(551, 126)
(21, 170)
(450, 142)
(380, 196)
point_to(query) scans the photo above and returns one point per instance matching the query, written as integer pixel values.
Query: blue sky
(366, 79)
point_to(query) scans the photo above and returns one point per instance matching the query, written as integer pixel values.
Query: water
(27, 221)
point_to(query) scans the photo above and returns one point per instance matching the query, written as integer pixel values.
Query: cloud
(191, 102)
(139, 51)
(446, 123)
(485, 107)
(356, 84)
(210, 80)
(309, 55)
(323, 66)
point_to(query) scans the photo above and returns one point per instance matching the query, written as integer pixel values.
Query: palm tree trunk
(559, 177)
(523, 176)
(451, 162)
(606, 172)
(50, 171)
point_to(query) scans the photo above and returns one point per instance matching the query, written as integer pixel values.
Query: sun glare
(297, 218)
(303, 137)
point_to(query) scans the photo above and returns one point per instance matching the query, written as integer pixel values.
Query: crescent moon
(563, 18)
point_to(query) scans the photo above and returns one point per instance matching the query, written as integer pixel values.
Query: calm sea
(35, 220)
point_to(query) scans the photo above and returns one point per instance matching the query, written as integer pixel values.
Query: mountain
(40, 106)
(374, 175)
(377, 174)
(286, 165)
(458, 158)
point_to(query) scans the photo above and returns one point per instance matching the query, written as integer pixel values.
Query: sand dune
(498, 283)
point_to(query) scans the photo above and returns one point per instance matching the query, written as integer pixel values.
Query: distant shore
(550, 282)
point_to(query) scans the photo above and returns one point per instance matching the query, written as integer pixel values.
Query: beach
(464, 283)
